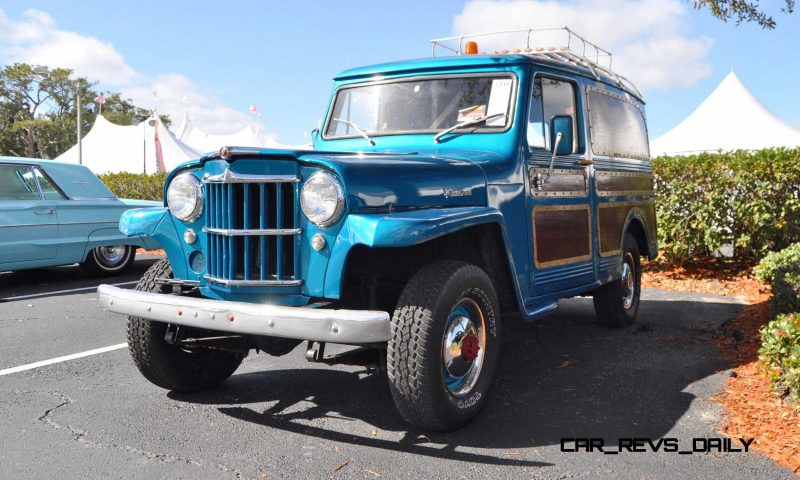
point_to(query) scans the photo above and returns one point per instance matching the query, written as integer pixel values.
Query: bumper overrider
(302, 323)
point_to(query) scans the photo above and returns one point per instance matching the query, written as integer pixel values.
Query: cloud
(35, 39)
(647, 38)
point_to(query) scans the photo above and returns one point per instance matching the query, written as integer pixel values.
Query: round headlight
(185, 197)
(321, 199)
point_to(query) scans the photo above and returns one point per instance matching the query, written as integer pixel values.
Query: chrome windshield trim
(253, 283)
(232, 177)
(275, 232)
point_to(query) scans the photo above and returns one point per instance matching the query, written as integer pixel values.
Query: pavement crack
(83, 437)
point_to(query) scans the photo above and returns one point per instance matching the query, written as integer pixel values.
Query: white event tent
(202, 141)
(148, 147)
(730, 118)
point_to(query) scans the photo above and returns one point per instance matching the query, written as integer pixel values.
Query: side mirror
(560, 144)
(561, 125)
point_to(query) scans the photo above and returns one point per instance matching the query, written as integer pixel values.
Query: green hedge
(780, 352)
(135, 185)
(782, 271)
(750, 200)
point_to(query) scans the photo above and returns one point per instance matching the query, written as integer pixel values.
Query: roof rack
(576, 51)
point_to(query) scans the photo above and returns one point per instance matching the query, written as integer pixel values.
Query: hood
(402, 181)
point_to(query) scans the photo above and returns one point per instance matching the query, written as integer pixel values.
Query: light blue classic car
(54, 213)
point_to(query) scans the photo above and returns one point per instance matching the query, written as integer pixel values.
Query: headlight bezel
(338, 211)
(197, 190)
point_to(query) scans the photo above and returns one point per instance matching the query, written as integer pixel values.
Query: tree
(742, 10)
(38, 114)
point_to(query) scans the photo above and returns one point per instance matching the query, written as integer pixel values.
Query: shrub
(780, 352)
(750, 200)
(782, 270)
(140, 186)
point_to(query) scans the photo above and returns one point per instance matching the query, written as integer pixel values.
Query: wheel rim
(111, 256)
(463, 347)
(628, 281)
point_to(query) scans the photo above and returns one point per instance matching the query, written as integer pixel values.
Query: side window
(617, 125)
(16, 183)
(550, 97)
(49, 190)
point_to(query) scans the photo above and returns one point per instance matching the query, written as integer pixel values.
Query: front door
(28, 222)
(559, 201)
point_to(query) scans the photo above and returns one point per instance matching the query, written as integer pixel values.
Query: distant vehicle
(54, 213)
(440, 194)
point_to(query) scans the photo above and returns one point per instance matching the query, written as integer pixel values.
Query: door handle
(48, 211)
(585, 162)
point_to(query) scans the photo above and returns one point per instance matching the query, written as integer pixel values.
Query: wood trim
(611, 224)
(556, 235)
(563, 183)
(623, 183)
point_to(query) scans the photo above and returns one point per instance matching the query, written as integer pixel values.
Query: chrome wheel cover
(628, 281)
(111, 256)
(463, 347)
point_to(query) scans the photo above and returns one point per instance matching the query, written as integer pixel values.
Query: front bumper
(302, 323)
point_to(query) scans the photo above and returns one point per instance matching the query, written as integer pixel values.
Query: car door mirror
(561, 126)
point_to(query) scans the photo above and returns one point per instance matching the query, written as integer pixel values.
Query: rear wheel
(169, 366)
(444, 345)
(109, 260)
(616, 303)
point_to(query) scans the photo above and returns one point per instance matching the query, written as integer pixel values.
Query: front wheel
(616, 303)
(169, 366)
(110, 260)
(444, 345)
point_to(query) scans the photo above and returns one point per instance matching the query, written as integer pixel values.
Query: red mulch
(753, 409)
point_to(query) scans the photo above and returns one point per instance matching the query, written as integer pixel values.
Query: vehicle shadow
(563, 377)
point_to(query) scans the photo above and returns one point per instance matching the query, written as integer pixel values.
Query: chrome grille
(252, 226)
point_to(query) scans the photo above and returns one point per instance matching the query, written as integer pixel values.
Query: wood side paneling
(623, 183)
(562, 183)
(561, 235)
(611, 218)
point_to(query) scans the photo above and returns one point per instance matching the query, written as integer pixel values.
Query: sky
(213, 60)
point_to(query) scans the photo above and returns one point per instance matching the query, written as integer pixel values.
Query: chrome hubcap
(628, 281)
(111, 255)
(463, 346)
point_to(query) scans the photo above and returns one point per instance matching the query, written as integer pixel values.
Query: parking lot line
(59, 292)
(65, 358)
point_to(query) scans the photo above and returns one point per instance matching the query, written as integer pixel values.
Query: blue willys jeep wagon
(440, 193)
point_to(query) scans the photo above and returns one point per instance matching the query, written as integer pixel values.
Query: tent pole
(80, 147)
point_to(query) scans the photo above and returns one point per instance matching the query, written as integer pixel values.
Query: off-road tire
(414, 352)
(169, 366)
(608, 299)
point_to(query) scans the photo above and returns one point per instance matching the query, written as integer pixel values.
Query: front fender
(402, 229)
(157, 223)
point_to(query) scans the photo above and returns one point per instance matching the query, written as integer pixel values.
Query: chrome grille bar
(248, 218)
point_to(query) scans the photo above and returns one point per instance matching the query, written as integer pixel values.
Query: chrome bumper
(318, 324)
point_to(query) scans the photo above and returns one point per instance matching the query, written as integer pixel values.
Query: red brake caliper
(470, 347)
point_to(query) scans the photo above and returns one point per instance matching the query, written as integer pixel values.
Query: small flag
(100, 100)
(254, 111)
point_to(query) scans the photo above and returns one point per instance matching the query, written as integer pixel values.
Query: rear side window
(49, 190)
(617, 126)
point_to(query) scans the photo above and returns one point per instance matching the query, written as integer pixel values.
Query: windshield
(427, 105)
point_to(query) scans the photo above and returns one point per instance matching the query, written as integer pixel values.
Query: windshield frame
(494, 74)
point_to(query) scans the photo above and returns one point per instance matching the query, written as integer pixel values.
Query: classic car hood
(402, 181)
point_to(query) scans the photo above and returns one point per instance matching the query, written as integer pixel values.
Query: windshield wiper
(466, 123)
(358, 129)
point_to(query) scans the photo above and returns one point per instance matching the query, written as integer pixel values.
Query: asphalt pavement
(564, 377)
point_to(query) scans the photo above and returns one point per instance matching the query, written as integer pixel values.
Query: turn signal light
(471, 48)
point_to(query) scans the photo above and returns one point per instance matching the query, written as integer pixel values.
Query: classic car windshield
(427, 105)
